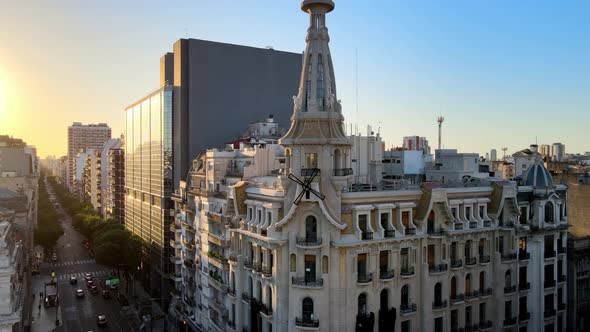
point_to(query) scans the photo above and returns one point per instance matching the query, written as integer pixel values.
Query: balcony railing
(550, 254)
(434, 232)
(487, 223)
(524, 286)
(410, 231)
(246, 297)
(472, 294)
(386, 274)
(407, 271)
(307, 322)
(509, 321)
(310, 171)
(367, 235)
(363, 278)
(439, 305)
(549, 313)
(561, 250)
(473, 224)
(549, 283)
(248, 264)
(456, 263)
(485, 291)
(308, 241)
(458, 226)
(457, 298)
(523, 255)
(438, 268)
(469, 261)
(307, 282)
(509, 289)
(486, 324)
(267, 271)
(508, 257)
(342, 171)
(389, 233)
(407, 308)
(523, 316)
(266, 310)
(483, 259)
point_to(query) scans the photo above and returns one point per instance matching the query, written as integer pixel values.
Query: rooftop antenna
(356, 84)
(504, 149)
(440, 121)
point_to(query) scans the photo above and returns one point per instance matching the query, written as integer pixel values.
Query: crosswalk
(82, 261)
(80, 275)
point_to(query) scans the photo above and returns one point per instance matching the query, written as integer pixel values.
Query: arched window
(482, 280)
(468, 283)
(438, 293)
(311, 229)
(269, 297)
(453, 287)
(405, 296)
(337, 164)
(307, 309)
(430, 225)
(362, 304)
(507, 279)
(549, 212)
(384, 300)
(293, 263)
(325, 264)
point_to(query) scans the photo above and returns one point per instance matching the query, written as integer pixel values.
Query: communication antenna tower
(504, 149)
(440, 121)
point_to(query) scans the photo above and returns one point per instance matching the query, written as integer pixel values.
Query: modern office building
(208, 92)
(295, 245)
(81, 138)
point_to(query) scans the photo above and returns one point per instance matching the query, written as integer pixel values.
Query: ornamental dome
(537, 176)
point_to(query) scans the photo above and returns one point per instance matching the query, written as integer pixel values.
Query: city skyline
(486, 72)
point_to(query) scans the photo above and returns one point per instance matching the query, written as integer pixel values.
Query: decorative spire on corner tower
(317, 116)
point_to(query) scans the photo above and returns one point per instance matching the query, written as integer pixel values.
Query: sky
(502, 73)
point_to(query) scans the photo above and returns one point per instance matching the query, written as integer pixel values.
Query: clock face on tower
(306, 186)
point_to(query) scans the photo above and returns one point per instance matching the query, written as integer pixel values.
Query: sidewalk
(42, 320)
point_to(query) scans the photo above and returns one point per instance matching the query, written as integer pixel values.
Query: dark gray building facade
(209, 93)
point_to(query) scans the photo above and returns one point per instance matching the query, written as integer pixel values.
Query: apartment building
(81, 138)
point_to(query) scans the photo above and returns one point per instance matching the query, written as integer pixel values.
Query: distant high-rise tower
(440, 120)
(493, 155)
(557, 152)
(81, 138)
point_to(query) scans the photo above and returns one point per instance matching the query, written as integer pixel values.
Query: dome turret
(537, 176)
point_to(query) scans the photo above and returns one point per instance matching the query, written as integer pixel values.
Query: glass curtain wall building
(149, 183)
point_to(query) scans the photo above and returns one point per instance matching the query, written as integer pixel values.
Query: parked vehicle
(101, 320)
(73, 280)
(79, 292)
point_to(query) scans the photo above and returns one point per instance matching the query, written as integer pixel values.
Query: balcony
(367, 235)
(267, 311)
(175, 259)
(560, 278)
(485, 292)
(549, 254)
(458, 226)
(364, 278)
(307, 322)
(189, 301)
(408, 308)
(549, 283)
(189, 263)
(456, 263)
(561, 306)
(561, 250)
(308, 242)
(410, 231)
(484, 259)
(471, 295)
(257, 267)
(470, 261)
(524, 316)
(175, 244)
(487, 223)
(267, 272)
(523, 255)
(439, 305)
(438, 268)
(342, 172)
(386, 274)
(407, 271)
(176, 277)
(231, 292)
(188, 227)
(248, 264)
(307, 282)
(509, 289)
(175, 227)
(434, 232)
(508, 322)
(389, 233)
(310, 171)
(548, 313)
(507, 258)
(484, 325)
(524, 286)
(458, 298)
(246, 297)
(473, 224)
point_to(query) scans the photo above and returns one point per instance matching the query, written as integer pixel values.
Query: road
(78, 314)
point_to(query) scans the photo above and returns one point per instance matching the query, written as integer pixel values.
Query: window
(311, 229)
(438, 293)
(293, 263)
(310, 264)
(362, 264)
(325, 264)
(311, 160)
(482, 280)
(507, 309)
(383, 260)
(307, 309)
(481, 210)
(468, 213)
(406, 219)
(482, 312)
(468, 310)
(453, 287)
(454, 319)
(507, 279)
(549, 212)
(362, 304)
(468, 283)
(406, 327)
(405, 296)
(384, 218)
(384, 300)
(438, 324)
(320, 83)
(363, 222)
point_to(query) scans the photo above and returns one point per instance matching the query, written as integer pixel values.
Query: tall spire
(317, 116)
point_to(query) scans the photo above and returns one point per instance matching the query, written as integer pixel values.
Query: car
(101, 320)
(54, 257)
(106, 294)
(73, 280)
(93, 289)
(89, 283)
(79, 292)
